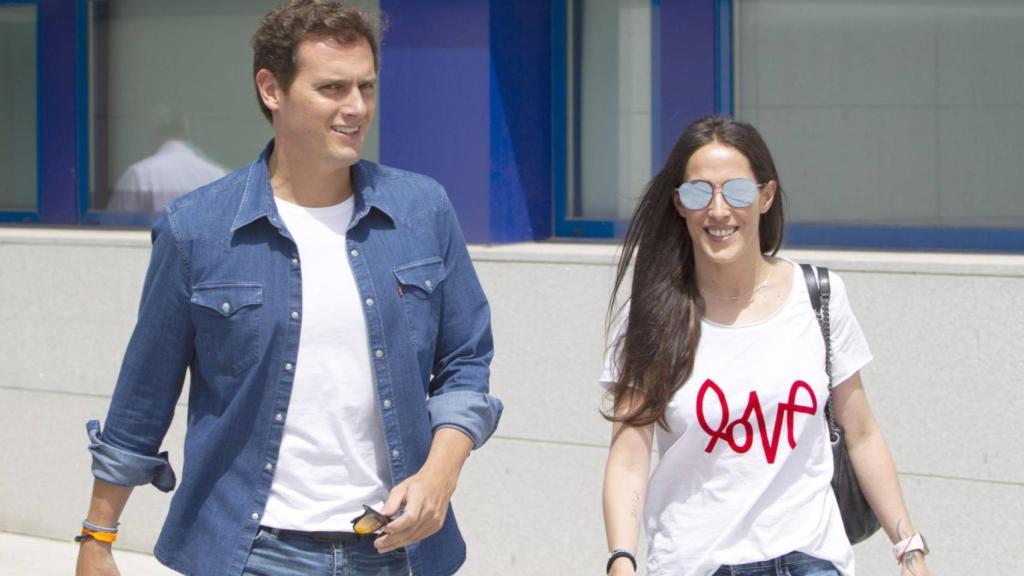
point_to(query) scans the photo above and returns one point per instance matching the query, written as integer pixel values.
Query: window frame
(88, 215)
(798, 235)
(667, 120)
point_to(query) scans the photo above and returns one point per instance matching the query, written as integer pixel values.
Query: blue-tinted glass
(172, 98)
(18, 187)
(695, 195)
(740, 192)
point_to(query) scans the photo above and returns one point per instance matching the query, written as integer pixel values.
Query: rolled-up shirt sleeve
(126, 451)
(124, 468)
(459, 391)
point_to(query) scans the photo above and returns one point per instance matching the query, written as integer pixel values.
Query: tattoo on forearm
(908, 563)
(908, 559)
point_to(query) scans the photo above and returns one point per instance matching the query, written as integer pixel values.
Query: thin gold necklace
(763, 284)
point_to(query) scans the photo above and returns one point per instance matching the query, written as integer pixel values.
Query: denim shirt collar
(257, 198)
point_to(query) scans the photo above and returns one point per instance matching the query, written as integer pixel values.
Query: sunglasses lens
(740, 193)
(695, 195)
(367, 524)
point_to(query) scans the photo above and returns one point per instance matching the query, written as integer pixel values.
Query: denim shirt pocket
(418, 283)
(227, 322)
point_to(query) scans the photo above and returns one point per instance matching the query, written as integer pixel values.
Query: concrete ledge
(848, 260)
(594, 253)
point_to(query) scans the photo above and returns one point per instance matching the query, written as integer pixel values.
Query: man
(336, 334)
(176, 168)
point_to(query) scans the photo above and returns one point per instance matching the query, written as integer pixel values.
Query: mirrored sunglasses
(369, 521)
(738, 193)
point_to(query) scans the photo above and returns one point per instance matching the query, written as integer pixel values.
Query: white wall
(945, 385)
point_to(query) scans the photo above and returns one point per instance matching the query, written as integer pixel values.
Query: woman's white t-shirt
(745, 469)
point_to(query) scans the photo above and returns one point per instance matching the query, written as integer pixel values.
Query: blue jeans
(296, 556)
(792, 564)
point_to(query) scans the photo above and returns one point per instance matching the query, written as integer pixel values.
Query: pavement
(30, 556)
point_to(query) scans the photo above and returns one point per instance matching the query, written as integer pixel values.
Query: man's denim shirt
(223, 298)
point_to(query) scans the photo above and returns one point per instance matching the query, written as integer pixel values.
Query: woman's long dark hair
(656, 354)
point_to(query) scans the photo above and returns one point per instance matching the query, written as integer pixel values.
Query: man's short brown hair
(275, 43)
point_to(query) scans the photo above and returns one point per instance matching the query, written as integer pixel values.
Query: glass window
(905, 113)
(172, 82)
(18, 186)
(609, 100)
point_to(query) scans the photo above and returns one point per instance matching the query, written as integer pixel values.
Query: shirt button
(395, 453)
(354, 253)
(387, 403)
(279, 417)
(268, 466)
(429, 284)
(295, 261)
(295, 315)
(379, 353)
(289, 366)
(226, 307)
(254, 516)
(369, 301)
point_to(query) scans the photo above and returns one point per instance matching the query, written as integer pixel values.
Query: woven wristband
(95, 528)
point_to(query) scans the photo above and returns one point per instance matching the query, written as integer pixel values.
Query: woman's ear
(678, 205)
(768, 195)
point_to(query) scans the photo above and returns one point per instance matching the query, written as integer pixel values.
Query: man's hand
(424, 496)
(95, 559)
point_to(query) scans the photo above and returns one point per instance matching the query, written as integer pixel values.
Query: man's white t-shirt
(332, 455)
(744, 471)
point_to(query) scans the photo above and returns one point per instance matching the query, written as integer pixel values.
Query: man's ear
(270, 90)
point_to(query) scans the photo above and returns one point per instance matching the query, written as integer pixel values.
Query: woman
(719, 350)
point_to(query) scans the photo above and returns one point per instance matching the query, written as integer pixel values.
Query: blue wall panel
(686, 66)
(433, 110)
(520, 121)
(57, 118)
(465, 98)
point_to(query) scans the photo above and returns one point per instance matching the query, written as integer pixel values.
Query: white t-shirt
(744, 472)
(332, 457)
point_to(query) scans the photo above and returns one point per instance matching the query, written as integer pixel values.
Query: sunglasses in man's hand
(369, 521)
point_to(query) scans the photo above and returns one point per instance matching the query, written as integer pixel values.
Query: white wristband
(904, 547)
